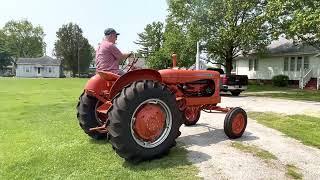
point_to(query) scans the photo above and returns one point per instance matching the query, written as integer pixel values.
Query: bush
(280, 80)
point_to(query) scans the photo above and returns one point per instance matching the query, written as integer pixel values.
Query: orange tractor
(141, 112)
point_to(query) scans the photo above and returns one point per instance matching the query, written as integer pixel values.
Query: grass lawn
(41, 139)
(301, 127)
(282, 92)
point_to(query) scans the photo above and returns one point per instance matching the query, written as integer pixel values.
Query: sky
(128, 17)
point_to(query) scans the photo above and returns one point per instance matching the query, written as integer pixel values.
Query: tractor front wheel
(89, 117)
(144, 121)
(235, 123)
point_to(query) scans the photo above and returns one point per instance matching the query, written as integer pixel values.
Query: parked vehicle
(234, 84)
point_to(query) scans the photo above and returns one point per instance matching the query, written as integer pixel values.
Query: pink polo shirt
(108, 57)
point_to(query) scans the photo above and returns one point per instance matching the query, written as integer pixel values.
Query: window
(292, 63)
(256, 64)
(250, 64)
(286, 64)
(306, 62)
(299, 63)
(50, 70)
(27, 69)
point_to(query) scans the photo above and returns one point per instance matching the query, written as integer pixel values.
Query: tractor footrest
(100, 129)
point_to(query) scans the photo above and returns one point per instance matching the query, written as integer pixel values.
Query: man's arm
(118, 54)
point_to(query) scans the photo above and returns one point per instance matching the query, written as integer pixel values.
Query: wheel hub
(149, 122)
(238, 123)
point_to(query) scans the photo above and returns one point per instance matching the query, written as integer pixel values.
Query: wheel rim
(100, 117)
(238, 123)
(191, 113)
(151, 123)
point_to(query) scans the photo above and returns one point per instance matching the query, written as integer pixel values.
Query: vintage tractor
(141, 112)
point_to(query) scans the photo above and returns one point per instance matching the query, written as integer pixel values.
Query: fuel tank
(177, 76)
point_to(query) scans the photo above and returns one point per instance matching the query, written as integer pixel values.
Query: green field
(40, 138)
(282, 93)
(301, 127)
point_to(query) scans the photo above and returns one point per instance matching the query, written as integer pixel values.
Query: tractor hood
(176, 76)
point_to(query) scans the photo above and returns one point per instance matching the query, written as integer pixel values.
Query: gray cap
(110, 31)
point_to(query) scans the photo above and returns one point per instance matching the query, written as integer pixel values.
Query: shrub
(280, 80)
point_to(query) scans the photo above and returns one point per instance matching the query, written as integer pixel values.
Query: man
(108, 56)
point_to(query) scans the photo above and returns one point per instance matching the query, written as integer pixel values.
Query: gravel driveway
(210, 150)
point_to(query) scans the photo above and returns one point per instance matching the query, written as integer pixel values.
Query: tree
(158, 43)
(73, 49)
(5, 56)
(151, 39)
(22, 39)
(226, 27)
(298, 20)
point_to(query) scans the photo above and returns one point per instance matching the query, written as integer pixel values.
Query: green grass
(256, 151)
(282, 92)
(292, 172)
(41, 139)
(301, 127)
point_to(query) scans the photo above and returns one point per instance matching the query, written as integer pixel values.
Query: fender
(99, 83)
(132, 76)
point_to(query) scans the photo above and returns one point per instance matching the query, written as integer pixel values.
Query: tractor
(140, 112)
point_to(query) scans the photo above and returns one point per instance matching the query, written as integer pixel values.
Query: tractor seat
(108, 76)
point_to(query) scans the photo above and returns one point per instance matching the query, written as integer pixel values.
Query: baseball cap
(110, 31)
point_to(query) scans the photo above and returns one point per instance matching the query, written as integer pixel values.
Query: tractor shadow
(177, 157)
(211, 136)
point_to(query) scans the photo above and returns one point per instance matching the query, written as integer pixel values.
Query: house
(39, 67)
(300, 63)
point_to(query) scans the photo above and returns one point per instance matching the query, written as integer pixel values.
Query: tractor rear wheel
(235, 123)
(88, 116)
(144, 121)
(191, 116)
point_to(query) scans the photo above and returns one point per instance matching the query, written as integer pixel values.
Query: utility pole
(198, 56)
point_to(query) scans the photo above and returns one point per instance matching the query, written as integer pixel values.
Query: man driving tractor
(108, 56)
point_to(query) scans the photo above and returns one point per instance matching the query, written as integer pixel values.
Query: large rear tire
(144, 121)
(235, 123)
(87, 116)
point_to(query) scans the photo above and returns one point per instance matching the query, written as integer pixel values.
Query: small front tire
(235, 123)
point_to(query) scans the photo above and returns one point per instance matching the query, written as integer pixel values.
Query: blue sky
(127, 17)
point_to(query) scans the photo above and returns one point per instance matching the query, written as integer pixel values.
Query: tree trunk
(229, 59)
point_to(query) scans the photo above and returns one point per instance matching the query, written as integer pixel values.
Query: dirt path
(211, 150)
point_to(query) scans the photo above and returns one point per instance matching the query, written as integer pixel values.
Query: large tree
(225, 27)
(297, 19)
(158, 43)
(73, 49)
(22, 39)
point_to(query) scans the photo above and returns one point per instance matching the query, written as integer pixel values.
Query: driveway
(210, 150)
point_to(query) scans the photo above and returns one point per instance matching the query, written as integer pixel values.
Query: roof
(285, 46)
(45, 60)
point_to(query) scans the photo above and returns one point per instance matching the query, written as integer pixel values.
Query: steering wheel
(129, 65)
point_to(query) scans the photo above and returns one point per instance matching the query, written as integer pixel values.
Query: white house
(300, 63)
(39, 67)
